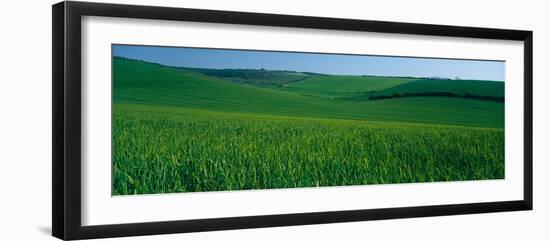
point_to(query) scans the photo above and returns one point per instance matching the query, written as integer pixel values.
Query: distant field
(179, 130)
(364, 87)
(148, 84)
(264, 78)
(347, 84)
(475, 87)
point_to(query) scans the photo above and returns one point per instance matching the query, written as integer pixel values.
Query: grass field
(349, 84)
(178, 130)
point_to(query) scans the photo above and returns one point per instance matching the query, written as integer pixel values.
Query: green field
(256, 77)
(481, 88)
(189, 130)
(349, 84)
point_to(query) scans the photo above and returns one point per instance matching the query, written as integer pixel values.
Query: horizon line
(299, 71)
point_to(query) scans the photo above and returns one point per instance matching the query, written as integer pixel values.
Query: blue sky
(319, 63)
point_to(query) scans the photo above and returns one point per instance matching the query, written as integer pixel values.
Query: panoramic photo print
(202, 119)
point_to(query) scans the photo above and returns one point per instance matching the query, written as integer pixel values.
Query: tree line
(442, 93)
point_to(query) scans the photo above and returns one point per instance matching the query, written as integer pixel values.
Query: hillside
(258, 77)
(459, 87)
(143, 83)
(361, 88)
(372, 88)
(348, 84)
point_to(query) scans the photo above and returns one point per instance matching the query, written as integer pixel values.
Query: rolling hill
(185, 130)
(142, 83)
(474, 87)
(371, 87)
(348, 84)
(360, 87)
(257, 77)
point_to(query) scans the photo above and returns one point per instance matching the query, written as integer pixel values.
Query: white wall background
(25, 120)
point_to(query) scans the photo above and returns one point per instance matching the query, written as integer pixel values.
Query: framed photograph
(169, 120)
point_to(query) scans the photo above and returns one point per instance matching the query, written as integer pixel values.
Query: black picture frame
(66, 128)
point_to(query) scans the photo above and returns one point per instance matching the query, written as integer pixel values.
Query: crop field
(342, 84)
(179, 130)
